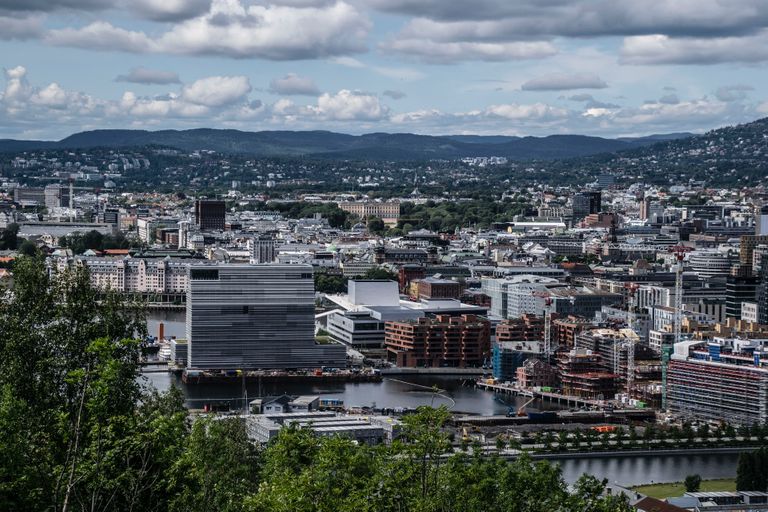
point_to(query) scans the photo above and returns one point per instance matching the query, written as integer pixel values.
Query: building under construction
(614, 348)
(719, 380)
(581, 374)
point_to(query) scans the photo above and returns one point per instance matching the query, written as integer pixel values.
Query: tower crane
(632, 317)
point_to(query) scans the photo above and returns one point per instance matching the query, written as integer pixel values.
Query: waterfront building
(369, 304)
(581, 374)
(441, 341)
(536, 373)
(508, 356)
(262, 428)
(165, 279)
(723, 379)
(525, 328)
(254, 317)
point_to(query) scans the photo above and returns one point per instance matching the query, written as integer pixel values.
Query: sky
(513, 67)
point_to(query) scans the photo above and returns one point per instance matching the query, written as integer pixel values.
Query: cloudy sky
(519, 67)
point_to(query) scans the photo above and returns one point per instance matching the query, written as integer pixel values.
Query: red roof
(116, 252)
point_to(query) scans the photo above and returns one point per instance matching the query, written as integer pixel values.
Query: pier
(566, 400)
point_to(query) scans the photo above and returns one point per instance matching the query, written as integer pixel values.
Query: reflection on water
(386, 394)
(628, 471)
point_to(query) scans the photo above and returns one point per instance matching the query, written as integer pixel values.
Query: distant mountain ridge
(326, 144)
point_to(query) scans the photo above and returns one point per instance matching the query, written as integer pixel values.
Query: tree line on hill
(79, 431)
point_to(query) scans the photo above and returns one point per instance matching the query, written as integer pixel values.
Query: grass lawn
(674, 489)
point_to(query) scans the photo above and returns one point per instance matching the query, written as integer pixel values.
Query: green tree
(692, 483)
(375, 225)
(217, 469)
(28, 248)
(380, 273)
(9, 237)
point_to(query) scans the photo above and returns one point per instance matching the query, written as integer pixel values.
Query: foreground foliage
(79, 432)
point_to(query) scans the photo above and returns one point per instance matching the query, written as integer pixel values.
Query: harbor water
(409, 392)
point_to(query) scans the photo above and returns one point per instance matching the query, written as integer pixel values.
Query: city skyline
(357, 66)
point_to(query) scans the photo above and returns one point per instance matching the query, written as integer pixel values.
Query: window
(204, 274)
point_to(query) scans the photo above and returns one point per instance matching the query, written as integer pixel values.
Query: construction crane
(632, 320)
(547, 329)
(666, 352)
(679, 252)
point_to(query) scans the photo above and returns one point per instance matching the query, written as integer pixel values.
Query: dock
(564, 400)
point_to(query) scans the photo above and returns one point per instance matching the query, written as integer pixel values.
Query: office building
(210, 214)
(585, 203)
(761, 221)
(436, 288)
(254, 317)
(739, 288)
(719, 380)
(261, 250)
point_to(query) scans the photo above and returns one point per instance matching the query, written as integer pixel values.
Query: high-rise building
(761, 220)
(740, 286)
(254, 317)
(210, 214)
(55, 196)
(261, 249)
(585, 203)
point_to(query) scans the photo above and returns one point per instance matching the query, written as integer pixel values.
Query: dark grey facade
(254, 317)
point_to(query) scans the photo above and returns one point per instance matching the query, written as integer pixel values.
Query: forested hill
(324, 144)
(726, 156)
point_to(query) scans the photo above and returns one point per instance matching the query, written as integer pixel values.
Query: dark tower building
(586, 203)
(210, 214)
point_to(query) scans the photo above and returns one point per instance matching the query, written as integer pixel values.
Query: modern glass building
(254, 317)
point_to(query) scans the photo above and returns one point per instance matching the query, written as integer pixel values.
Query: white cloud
(52, 96)
(532, 111)
(564, 82)
(101, 35)
(348, 105)
(224, 101)
(662, 49)
(293, 84)
(451, 52)
(17, 89)
(142, 75)
(217, 91)
(20, 27)
(234, 29)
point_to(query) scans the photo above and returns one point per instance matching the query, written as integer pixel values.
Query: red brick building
(463, 341)
(525, 328)
(434, 288)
